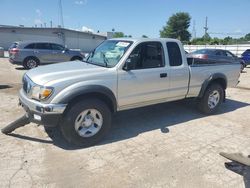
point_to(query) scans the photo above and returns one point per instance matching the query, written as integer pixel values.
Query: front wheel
(86, 122)
(211, 99)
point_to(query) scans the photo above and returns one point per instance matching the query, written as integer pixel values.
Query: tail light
(201, 56)
(14, 51)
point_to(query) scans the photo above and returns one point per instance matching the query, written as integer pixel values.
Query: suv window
(229, 54)
(43, 46)
(147, 55)
(247, 52)
(174, 54)
(57, 47)
(14, 45)
(30, 46)
(219, 53)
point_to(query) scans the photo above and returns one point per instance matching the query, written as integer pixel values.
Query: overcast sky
(133, 17)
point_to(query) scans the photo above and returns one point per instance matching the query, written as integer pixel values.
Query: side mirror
(128, 65)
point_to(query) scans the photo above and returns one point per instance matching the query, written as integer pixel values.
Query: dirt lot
(168, 145)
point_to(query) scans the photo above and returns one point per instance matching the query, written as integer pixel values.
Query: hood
(44, 74)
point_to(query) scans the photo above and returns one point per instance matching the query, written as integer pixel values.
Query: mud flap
(20, 122)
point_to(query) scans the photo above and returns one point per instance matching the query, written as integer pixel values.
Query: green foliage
(177, 27)
(247, 37)
(121, 35)
(118, 35)
(216, 41)
(144, 36)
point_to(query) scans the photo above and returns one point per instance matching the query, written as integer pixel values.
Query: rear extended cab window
(174, 54)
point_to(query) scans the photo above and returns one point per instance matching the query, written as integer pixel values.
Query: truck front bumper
(45, 114)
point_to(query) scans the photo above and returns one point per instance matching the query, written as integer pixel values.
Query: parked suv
(32, 54)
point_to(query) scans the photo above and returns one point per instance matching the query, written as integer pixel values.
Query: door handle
(163, 75)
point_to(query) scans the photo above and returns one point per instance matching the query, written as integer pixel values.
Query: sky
(133, 17)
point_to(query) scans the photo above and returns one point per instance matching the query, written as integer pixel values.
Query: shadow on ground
(131, 123)
(241, 170)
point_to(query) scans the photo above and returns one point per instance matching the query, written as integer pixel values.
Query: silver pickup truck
(120, 74)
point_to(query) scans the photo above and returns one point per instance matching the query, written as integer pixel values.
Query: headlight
(41, 92)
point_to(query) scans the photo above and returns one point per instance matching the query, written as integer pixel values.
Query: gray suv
(32, 54)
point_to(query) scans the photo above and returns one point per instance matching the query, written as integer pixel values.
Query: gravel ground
(167, 145)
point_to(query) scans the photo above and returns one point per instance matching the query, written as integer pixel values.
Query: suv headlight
(40, 92)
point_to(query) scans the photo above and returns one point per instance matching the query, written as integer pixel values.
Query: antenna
(61, 14)
(194, 30)
(206, 27)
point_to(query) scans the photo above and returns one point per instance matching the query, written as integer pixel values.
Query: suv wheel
(30, 63)
(86, 122)
(211, 99)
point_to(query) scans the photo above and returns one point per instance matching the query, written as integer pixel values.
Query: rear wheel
(86, 122)
(30, 63)
(211, 99)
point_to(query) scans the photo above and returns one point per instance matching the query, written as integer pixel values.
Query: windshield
(109, 53)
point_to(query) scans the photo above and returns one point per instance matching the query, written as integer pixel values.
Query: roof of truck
(146, 39)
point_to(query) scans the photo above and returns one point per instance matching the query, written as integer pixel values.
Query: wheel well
(94, 95)
(75, 57)
(219, 81)
(31, 57)
(206, 84)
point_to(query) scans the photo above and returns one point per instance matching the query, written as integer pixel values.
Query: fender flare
(211, 79)
(87, 90)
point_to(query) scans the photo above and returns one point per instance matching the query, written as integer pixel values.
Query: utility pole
(61, 14)
(51, 24)
(194, 30)
(206, 27)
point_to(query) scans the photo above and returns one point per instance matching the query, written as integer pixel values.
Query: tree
(177, 27)
(247, 37)
(144, 36)
(118, 35)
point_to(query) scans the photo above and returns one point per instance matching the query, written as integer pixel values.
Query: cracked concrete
(167, 145)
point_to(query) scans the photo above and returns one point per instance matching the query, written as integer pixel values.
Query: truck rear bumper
(45, 114)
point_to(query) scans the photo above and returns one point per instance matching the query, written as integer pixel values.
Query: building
(73, 39)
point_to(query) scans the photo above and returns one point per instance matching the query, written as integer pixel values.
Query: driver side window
(147, 55)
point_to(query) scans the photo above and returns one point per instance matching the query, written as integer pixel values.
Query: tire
(76, 58)
(30, 63)
(79, 120)
(212, 91)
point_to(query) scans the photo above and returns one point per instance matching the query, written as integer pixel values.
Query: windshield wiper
(106, 61)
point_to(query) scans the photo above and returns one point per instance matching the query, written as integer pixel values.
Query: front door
(147, 82)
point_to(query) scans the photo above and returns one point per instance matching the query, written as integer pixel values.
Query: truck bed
(200, 70)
